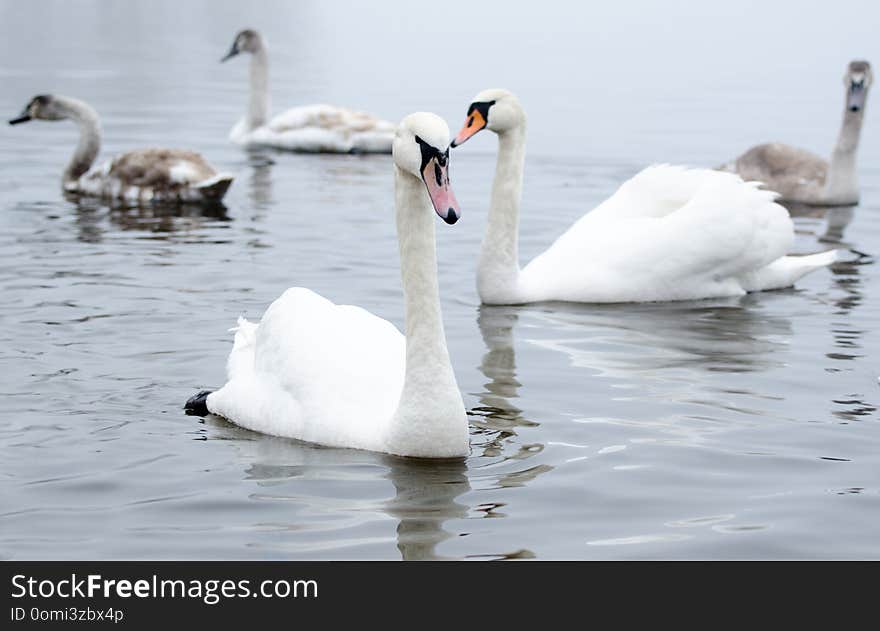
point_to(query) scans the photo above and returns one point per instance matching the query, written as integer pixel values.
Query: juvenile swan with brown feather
(803, 177)
(143, 175)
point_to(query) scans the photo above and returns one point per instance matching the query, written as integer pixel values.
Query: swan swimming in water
(669, 233)
(336, 374)
(311, 128)
(143, 175)
(802, 177)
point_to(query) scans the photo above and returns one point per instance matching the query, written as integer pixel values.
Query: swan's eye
(429, 153)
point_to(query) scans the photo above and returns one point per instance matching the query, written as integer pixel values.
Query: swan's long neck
(89, 143)
(498, 269)
(842, 184)
(258, 105)
(430, 413)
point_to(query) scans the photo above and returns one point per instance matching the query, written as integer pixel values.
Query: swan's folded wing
(160, 168)
(329, 118)
(690, 235)
(656, 191)
(326, 128)
(729, 228)
(785, 169)
(336, 361)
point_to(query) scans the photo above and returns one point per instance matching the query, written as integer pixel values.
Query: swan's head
(247, 41)
(42, 107)
(858, 79)
(421, 148)
(497, 110)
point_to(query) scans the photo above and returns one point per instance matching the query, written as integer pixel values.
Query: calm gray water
(718, 429)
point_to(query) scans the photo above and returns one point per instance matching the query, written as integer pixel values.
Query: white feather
(183, 172)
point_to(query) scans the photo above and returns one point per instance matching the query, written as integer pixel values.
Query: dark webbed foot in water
(197, 404)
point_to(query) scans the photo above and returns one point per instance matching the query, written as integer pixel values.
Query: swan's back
(796, 174)
(160, 167)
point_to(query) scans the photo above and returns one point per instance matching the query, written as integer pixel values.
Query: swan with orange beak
(668, 233)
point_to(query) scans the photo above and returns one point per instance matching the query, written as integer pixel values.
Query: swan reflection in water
(316, 491)
(654, 369)
(848, 336)
(497, 417)
(847, 270)
(425, 499)
(655, 340)
(847, 273)
(161, 219)
(837, 218)
(260, 191)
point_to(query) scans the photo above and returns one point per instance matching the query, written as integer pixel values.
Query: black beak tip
(20, 119)
(853, 108)
(450, 217)
(453, 144)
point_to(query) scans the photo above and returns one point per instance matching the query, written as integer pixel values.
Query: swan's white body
(339, 376)
(311, 128)
(317, 129)
(143, 175)
(669, 233)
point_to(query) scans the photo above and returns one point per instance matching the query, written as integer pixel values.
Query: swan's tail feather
(215, 187)
(242, 355)
(787, 270)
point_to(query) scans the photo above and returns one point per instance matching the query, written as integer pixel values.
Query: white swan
(311, 128)
(336, 374)
(802, 177)
(143, 175)
(669, 233)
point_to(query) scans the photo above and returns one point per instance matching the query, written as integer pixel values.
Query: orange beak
(474, 123)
